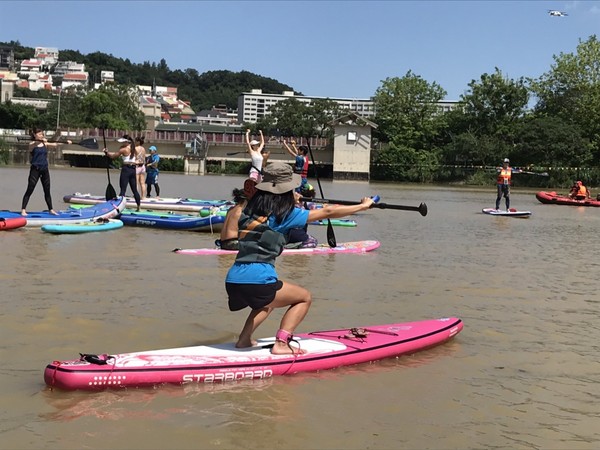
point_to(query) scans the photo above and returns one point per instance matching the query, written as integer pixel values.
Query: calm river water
(524, 373)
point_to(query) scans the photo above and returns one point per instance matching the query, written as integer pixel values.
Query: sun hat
(152, 148)
(254, 142)
(278, 178)
(506, 160)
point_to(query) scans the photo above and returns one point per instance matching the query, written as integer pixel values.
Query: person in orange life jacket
(39, 169)
(504, 180)
(579, 191)
(128, 174)
(300, 160)
(252, 280)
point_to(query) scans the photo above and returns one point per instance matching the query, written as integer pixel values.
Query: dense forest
(202, 90)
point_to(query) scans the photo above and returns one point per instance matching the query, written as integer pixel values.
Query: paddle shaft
(90, 143)
(422, 208)
(110, 190)
(330, 233)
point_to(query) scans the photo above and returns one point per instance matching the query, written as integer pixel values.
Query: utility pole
(58, 112)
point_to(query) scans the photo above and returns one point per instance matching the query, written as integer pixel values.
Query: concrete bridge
(196, 149)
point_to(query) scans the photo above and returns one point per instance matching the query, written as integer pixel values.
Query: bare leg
(299, 301)
(297, 298)
(255, 318)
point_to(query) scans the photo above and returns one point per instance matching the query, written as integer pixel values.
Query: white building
(49, 55)
(254, 105)
(64, 67)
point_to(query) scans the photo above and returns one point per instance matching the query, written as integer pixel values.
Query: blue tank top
(39, 157)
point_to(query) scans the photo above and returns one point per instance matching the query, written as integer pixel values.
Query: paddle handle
(422, 208)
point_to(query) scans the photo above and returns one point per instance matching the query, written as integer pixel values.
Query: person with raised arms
(39, 169)
(301, 161)
(252, 281)
(255, 150)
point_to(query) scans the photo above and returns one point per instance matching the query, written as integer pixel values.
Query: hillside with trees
(202, 90)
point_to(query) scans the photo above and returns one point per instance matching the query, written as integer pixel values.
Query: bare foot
(282, 348)
(54, 213)
(246, 343)
(23, 212)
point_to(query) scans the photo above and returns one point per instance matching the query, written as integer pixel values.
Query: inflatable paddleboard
(502, 212)
(10, 223)
(223, 362)
(105, 210)
(172, 221)
(85, 227)
(170, 204)
(321, 249)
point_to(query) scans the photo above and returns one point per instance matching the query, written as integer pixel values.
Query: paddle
(330, 234)
(237, 153)
(90, 143)
(110, 190)
(422, 208)
(542, 174)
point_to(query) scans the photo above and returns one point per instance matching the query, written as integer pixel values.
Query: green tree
(494, 104)
(482, 127)
(550, 141)
(408, 111)
(14, 116)
(570, 90)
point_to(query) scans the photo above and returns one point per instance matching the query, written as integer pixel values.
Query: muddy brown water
(524, 373)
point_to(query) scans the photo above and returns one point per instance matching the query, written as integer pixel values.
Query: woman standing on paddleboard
(128, 175)
(39, 169)
(263, 227)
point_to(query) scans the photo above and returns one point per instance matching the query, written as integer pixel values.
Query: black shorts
(256, 296)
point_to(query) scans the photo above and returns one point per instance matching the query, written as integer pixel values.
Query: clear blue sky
(320, 48)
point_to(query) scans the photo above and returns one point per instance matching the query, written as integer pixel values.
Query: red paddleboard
(223, 362)
(10, 223)
(322, 249)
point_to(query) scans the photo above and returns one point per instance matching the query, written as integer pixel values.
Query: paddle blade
(90, 143)
(330, 235)
(110, 192)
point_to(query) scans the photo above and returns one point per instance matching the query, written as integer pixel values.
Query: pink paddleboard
(322, 249)
(224, 362)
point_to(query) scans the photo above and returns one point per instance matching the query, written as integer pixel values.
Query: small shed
(352, 147)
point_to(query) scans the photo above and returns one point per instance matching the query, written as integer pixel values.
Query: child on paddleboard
(252, 280)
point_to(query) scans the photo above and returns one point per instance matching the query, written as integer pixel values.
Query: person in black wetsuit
(39, 169)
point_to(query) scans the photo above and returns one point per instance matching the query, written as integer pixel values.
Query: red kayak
(552, 198)
(10, 223)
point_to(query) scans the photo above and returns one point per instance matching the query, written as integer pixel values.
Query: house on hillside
(75, 79)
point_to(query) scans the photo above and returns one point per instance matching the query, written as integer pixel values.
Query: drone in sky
(556, 13)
